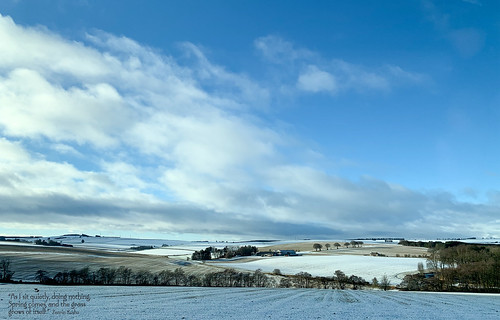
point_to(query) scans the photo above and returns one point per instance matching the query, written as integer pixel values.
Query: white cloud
(26, 174)
(40, 50)
(315, 80)
(398, 73)
(174, 148)
(11, 152)
(359, 78)
(315, 74)
(65, 149)
(277, 50)
(237, 85)
(31, 106)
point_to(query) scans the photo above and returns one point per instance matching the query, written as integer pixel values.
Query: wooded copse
(51, 243)
(457, 266)
(226, 252)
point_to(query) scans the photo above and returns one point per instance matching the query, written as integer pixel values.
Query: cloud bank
(109, 135)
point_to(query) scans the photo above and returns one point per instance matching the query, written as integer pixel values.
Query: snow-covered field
(244, 303)
(178, 252)
(367, 267)
(113, 243)
(100, 243)
(15, 243)
(118, 243)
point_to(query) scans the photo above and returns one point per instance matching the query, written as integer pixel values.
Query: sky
(250, 119)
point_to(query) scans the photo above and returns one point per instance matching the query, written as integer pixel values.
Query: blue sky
(277, 119)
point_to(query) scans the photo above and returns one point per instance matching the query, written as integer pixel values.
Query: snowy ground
(242, 303)
(364, 266)
(15, 243)
(118, 243)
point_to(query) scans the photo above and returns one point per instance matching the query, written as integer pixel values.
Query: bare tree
(143, 277)
(193, 281)
(124, 275)
(84, 276)
(259, 278)
(61, 277)
(303, 279)
(340, 279)
(179, 277)
(420, 267)
(41, 276)
(285, 283)
(328, 246)
(433, 260)
(385, 283)
(6, 273)
(337, 245)
(73, 276)
(166, 277)
(317, 246)
(106, 275)
(357, 282)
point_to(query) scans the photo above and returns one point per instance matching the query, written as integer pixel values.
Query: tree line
(339, 280)
(353, 243)
(429, 244)
(178, 277)
(457, 266)
(51, 243)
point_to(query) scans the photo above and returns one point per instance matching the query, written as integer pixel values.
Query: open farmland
(251, 303)
(391, 249)
(366, 267)
(113, 252)
(98, 252)
(352, 261)
(166, 302)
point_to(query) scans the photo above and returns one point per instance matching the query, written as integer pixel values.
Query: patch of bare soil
(388, 249)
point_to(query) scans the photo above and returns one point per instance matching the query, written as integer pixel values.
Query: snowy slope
(118, 243)
(367, 267)
(110, 303)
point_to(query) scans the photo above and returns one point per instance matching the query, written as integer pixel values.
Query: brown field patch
(26, 260)
(388, 249)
